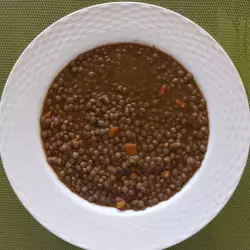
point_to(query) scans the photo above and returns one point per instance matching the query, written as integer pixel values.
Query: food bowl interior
(71, 217)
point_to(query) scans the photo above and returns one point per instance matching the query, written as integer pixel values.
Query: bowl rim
(124, 215)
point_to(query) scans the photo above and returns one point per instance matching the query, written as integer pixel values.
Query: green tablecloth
(227, 20)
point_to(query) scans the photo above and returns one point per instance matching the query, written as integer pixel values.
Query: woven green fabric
(227, 20)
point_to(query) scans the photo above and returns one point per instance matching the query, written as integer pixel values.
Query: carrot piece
(48, 114)
(131, 148)
(120, 203)
(180, 103)
(166, 174)
(113, 131)
(163, 90)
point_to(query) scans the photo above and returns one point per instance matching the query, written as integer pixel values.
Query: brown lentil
(124, 125)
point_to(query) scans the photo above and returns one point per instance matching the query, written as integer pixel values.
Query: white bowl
(94, 227)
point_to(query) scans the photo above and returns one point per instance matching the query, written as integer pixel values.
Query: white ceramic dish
(94, 227)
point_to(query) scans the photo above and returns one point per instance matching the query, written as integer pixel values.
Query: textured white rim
(93, 227)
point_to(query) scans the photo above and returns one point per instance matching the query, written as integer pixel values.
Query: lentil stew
(124, 125)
